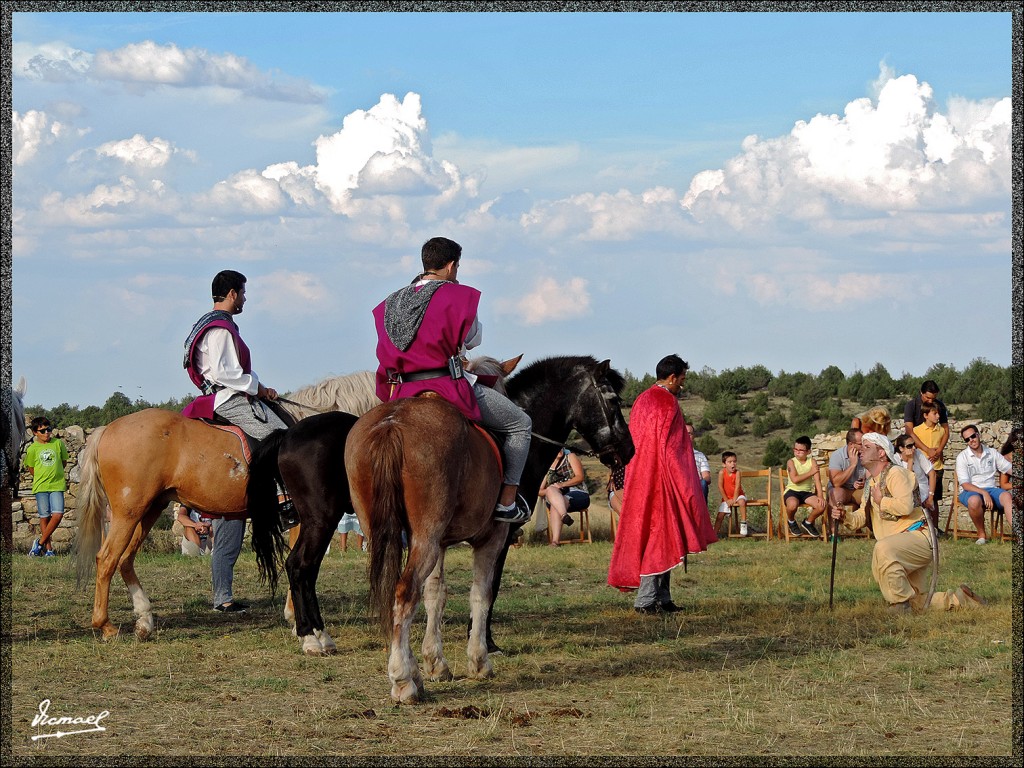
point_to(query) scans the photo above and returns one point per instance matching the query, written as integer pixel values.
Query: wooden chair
(765, 501)
(584, 529)
(784, 533)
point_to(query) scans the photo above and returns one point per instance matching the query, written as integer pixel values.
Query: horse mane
(548, 368)
(354, 393)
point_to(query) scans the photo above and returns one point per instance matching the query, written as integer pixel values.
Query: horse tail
(92, 507)
(388, 521)
(261, 494)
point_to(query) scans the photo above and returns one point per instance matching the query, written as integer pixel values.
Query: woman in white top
(909, 456)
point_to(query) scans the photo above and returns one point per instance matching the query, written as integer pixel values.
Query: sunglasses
(45, 429)
(968, 438)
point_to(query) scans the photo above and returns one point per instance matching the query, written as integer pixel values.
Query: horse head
(492, 367)
(565, 393)
(597, 413)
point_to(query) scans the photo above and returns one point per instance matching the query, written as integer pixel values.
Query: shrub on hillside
(758, 405)
(707, 445)
(723, 408)
(735, 426)
(776, 453)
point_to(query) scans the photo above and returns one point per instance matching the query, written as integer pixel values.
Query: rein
(574, 449)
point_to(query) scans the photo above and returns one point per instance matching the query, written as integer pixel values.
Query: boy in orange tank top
(731, 489)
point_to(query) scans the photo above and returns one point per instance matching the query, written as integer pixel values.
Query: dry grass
(754, 665)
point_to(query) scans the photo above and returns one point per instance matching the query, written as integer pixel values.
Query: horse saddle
(247, 442)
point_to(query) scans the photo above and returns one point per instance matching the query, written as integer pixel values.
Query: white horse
(13, 430)
(353, 394)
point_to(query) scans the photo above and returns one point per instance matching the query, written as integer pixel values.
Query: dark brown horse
(419, 472)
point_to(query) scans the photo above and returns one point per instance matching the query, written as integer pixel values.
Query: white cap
(882, 440)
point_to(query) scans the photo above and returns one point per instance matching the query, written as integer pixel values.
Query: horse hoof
(142, 633)
(109, 632)
(481, 672)
(311, 646)
(408, 693)
(326, 642)
(439, 673)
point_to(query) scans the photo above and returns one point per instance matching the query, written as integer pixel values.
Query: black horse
(560, 394)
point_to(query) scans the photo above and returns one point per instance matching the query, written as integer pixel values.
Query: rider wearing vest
(219, 364)
(423, 331)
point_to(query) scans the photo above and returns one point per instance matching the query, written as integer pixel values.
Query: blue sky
(793, 190)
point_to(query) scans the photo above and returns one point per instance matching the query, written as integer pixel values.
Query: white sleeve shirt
(217, 360)
(981, 470)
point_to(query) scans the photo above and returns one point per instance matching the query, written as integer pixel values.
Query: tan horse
(136, 465)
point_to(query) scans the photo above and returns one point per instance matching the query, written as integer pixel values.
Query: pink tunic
(445, 325)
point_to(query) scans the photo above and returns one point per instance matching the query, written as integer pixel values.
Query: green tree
(735, 426)
(831, 379)
(723, 408)
(758, 405)
(117, 405)
(633, 386)
(707, 445)
(776, 453)
(785, 384)
(849, 389)
(832, 412)
(801, 419)
(994, 405)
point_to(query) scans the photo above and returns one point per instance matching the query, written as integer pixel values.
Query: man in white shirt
(218, 362)
(976, 471)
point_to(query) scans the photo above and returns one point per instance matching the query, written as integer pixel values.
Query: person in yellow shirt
(931, 437)
(903, 551)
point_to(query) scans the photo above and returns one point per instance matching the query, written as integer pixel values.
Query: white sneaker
(743, 529)
(980, 541)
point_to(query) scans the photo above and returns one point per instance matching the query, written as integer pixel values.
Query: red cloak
(664, 515)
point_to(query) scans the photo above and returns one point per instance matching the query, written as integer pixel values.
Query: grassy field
(754, 665)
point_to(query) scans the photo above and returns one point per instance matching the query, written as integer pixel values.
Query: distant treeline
(981, 384)
(986, 386)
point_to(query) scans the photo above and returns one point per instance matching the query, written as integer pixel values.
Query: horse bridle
(608, 422)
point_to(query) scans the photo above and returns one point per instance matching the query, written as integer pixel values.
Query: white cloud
(149, 64)
(138, 152)
(899, 153)
(32, 131)
(54, 61)
(384, 151)
(549, 300)
(290, 293)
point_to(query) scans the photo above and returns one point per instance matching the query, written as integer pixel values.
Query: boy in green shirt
(45, 459)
